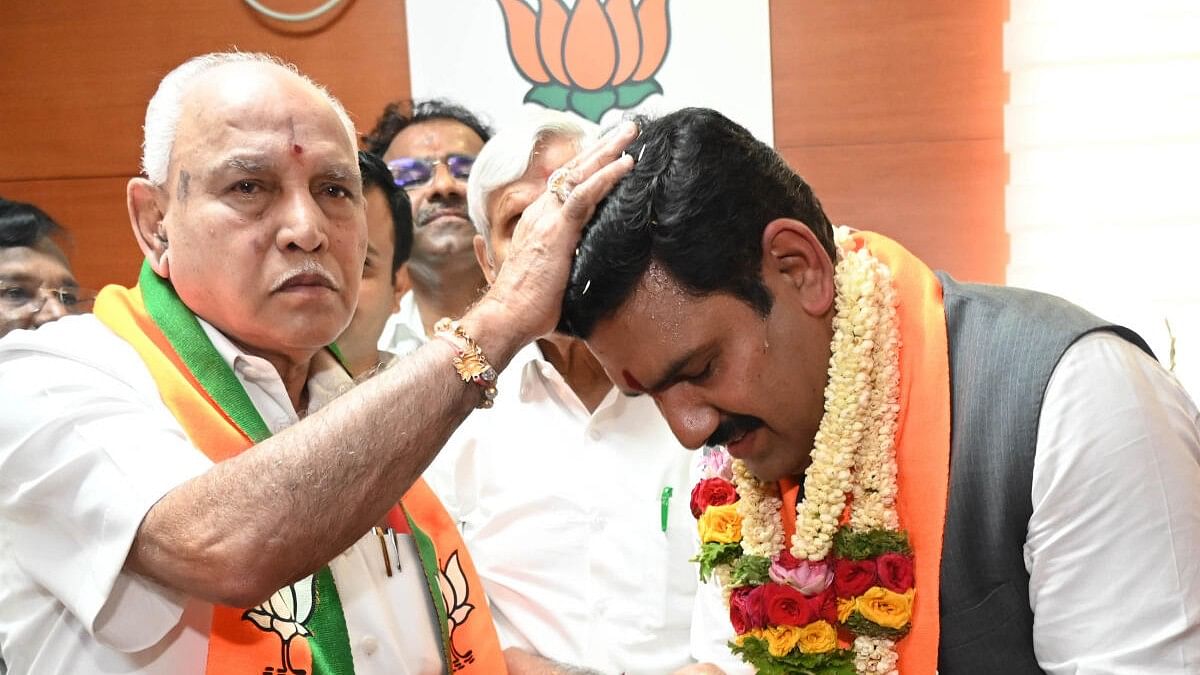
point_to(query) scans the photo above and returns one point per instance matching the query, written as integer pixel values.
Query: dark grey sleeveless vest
(1004, 344)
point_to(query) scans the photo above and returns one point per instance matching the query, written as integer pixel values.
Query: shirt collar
(326, 377)
(404, 330)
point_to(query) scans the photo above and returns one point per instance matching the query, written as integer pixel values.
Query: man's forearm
(287, 506)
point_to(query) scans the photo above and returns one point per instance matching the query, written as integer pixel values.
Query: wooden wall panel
(944, 201)
(75, 78)
(892, 110)
(101, 244)
(894, 113)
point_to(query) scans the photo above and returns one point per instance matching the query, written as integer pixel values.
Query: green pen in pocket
(666, 503)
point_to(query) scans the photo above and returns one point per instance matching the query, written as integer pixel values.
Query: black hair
(376, 174)
(399, 115)
(697, 202)
(24, 224)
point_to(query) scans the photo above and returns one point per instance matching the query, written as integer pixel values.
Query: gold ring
(558, 185)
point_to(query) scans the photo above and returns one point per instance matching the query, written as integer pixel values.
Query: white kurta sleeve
(1112, 544)
(83, 457)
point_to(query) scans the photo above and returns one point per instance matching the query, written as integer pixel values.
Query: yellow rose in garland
(720, 525)
(886, 608)
(782, 639)
(817, 637)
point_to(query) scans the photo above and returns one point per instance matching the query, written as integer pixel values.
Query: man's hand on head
(529, 286)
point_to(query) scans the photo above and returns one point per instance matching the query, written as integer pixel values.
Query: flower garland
(839, 597)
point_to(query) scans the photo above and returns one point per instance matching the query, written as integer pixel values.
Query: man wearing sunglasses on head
(36, 283)
(429, 147)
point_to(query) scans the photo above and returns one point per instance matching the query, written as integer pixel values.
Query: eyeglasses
(410, 172)
(31, 298)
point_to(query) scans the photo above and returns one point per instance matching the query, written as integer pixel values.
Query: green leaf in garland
(755, 652)
(750, 570)
(869, 544)
(861, 625)
(592, 104)
(713, 554)
(552, 96)
(633, 93)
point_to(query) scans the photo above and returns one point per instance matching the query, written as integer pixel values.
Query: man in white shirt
(155, 475)
(430, 147)
(572, 498)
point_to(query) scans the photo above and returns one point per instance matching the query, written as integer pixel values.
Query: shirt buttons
(369, 645)
(594, 434)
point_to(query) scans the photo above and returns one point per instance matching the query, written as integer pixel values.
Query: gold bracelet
(469, 361)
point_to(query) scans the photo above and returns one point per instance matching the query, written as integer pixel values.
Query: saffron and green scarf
(302, 628)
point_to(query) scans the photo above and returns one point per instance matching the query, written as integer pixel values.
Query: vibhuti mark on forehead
(297, 149)
(181, 192)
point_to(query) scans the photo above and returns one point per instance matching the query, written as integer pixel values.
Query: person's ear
(146, 210)
(794, 259)
(484, 259)
(401, 284)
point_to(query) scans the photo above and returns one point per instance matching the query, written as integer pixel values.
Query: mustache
(309, 272)
(731, 427)
(439, 207)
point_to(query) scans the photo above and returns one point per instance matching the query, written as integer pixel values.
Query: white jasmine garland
(854, 448)
(875, 656)
(762, 531)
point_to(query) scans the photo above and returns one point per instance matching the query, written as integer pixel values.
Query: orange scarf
(239, 642)
(922, 440)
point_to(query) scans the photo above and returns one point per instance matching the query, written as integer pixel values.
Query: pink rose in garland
(810, 578)
(717, 463)
(853, 577)
(712, 492)
(786, 606)
(895, 571)
(746, 611)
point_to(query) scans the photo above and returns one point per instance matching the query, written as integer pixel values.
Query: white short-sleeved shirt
(86, 448)
(562, 510)
(1112, 545)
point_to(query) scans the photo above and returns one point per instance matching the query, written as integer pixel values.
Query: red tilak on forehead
(297, 149)
(632, 381)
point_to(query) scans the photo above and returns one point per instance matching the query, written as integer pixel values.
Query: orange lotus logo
(590, 58)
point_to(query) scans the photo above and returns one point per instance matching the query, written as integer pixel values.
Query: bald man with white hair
(188, 481)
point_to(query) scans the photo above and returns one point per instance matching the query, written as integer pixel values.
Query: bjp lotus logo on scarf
(285, 614)
(589, 58)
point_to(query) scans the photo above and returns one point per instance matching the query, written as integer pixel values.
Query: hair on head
(696, 203)
(24, 224)
(376, 174)
(399, 115)
(166, 105)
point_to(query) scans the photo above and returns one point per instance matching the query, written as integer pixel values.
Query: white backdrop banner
(596, 59)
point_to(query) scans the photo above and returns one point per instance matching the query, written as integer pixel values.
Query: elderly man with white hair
(572, 498)
(182, 488)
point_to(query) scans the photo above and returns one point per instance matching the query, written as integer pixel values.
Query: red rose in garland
(824, 606)
(786, 606)
(746, 611)
(712, 492)
(895, 571)
(853, 577)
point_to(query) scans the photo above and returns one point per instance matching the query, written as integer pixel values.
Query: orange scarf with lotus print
(301, 628)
